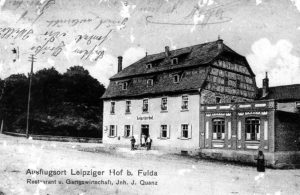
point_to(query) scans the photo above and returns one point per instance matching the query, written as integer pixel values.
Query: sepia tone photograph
(149, 97)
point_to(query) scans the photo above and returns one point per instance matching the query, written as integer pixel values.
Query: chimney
(220, 43)
(265, 88)
(120, 58)
(167, 51)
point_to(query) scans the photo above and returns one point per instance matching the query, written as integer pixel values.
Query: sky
(94, 33)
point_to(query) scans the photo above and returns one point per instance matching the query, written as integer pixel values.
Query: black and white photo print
(149, 97)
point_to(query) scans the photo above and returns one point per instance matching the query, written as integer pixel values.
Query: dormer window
(226, 81)
(149, 65)
(124, 85)
(176, 78)
(238, 83)
(174, 61)
(149, 82)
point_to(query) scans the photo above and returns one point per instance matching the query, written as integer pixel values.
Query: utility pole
(31, 59)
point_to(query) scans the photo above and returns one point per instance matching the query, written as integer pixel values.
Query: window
(174, 61)
(218, 100)
(238, 83)
(145, 105)
(149, 65)
(226, 81)
(164, 104)
(185, 103)
(149, 82)
(128, 106)
(127, 131)
(124, 85)
(218, 126)
(112, 107)
(185, 131)
(112, 131)
(252, 129)
(163, 131)
(176, 78)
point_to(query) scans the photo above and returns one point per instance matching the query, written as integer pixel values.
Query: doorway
(145, 130)
(144, 134)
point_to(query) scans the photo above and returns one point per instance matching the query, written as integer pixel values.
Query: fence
(57, 138)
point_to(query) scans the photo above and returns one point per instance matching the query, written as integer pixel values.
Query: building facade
(204, 100)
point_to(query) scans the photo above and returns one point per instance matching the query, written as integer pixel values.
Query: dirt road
(81, 168)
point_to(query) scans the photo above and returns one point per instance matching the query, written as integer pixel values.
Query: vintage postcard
(149, 97)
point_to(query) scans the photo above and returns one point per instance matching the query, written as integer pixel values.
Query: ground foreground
(159, 173)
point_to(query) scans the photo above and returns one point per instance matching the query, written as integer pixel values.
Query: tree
(61, 104)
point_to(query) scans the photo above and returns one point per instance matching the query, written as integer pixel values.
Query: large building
(204, 100)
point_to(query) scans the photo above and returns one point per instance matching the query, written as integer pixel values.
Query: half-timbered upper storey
(211, 66)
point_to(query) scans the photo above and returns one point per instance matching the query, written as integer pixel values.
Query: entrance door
(145, 130)
(144, 134)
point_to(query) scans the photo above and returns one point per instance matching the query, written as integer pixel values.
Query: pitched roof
(282, 93)
(196, 55)
(188, 83)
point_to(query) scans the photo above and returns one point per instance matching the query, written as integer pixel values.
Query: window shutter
(239, 130)
(265, 130)
(179, 132)
(116, 133)
(168, 131)
(206, 130)
(258, 133)
(229, 130)
(190, 131)
(160, 132)
(131, 130)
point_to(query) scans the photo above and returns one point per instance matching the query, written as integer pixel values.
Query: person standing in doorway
(260, 161)
(143, 139)
(148, 143)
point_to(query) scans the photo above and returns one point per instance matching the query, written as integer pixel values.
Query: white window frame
(143, 106)
(125, 85)
(112, 132)
(164, 104)
(127, 107)
(218, 128)
(149, 82)
(126, 134)
(256, 129)
(112, 107)
(174, 61)
(165, 128)
(184, 106)
(184, 127)
(176, 76)
(149, 65)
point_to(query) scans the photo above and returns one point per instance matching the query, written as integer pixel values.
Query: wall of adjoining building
(287, 106)
(234, 116)
(287, 131)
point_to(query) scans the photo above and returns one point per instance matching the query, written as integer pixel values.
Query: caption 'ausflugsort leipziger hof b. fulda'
(91, 172)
